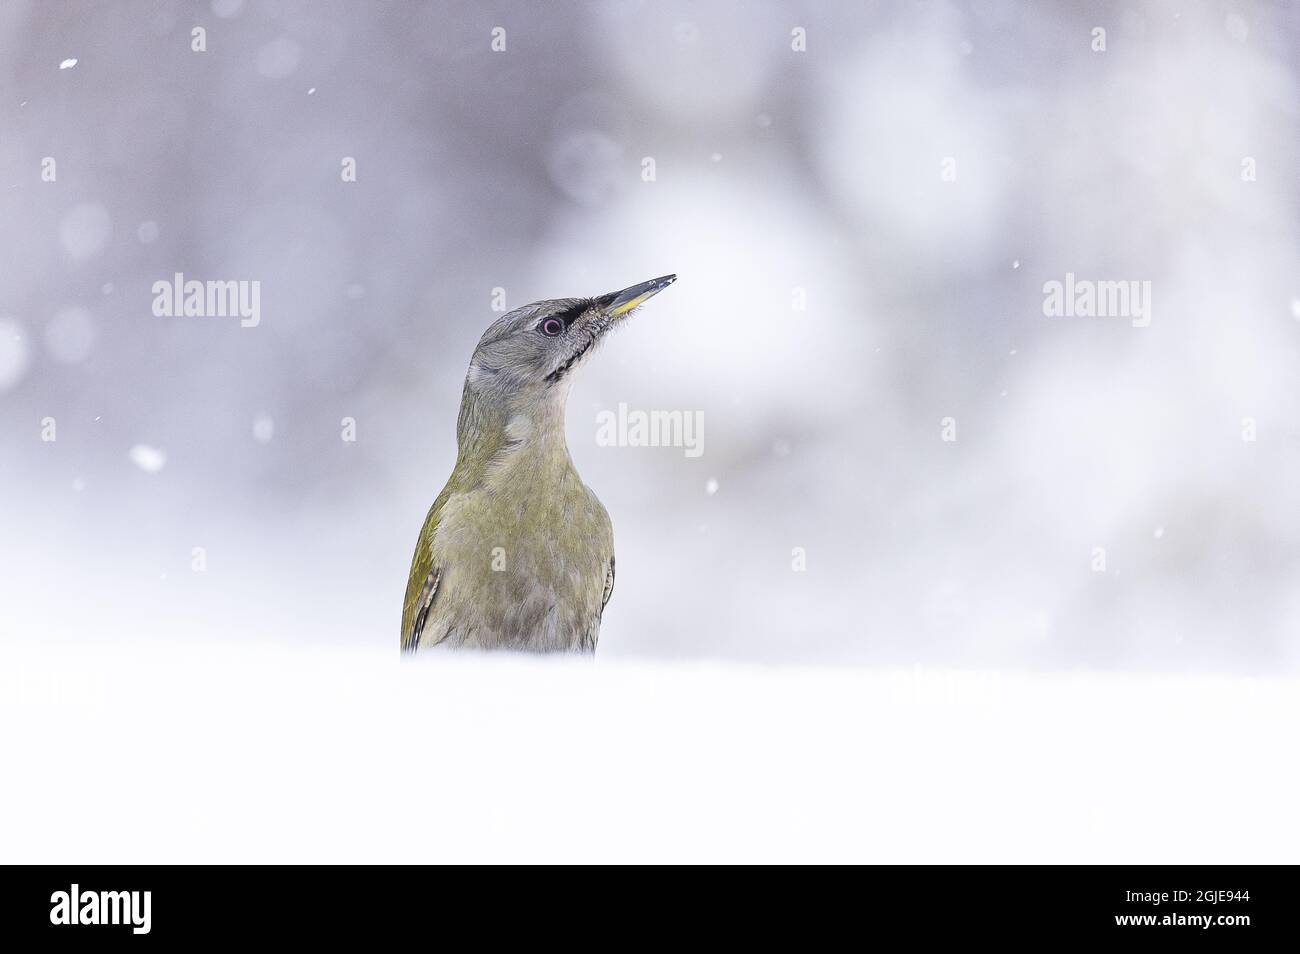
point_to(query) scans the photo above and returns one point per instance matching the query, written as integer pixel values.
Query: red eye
(552, 327)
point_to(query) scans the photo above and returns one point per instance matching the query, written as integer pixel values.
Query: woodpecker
(517, 552)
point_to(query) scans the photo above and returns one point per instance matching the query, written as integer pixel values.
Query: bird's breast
(525, 559)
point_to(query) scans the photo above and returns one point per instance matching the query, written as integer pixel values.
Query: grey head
(533, 349)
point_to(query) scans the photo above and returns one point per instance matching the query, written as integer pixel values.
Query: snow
(14, 357)
(263, 428)
(149, 459)
(208, 752)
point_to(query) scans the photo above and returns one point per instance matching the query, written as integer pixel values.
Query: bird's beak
(621, 302)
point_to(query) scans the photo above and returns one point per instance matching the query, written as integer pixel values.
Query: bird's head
(536, 347)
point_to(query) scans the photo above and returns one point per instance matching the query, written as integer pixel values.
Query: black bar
(372, 905)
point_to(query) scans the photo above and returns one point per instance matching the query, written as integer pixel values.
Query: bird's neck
(497, 433)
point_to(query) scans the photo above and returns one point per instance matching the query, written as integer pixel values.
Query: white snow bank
(229, 753)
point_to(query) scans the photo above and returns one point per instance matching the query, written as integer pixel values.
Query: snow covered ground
(158, 752)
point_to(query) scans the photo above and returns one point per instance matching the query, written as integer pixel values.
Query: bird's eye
(551, 327)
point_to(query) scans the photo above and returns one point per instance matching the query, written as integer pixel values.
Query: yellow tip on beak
(621, 302)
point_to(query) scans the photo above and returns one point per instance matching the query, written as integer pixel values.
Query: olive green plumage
(516, 552)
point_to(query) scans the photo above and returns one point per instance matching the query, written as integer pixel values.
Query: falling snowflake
(711, 487)
(14, 356)
(263, 428)
(68, 64)
(149, 459)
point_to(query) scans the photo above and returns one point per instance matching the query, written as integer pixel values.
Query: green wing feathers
(422, 584)
(609, 586)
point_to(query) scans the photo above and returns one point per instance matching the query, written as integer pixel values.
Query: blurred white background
(778, 171)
